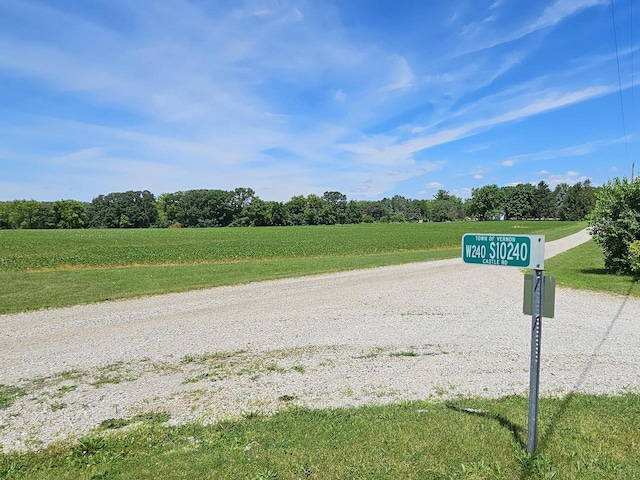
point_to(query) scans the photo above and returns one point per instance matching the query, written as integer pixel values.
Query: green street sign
(524, 251)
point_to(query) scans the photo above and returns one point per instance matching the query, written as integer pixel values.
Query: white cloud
(570, 177)
(477, 176)
(480, 37)
(434, 185)
(402, 77)
(559, 10)
(507, 163)
(340, 96)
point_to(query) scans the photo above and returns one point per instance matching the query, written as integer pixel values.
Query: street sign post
(523, 251)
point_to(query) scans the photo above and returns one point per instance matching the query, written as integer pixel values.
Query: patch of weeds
(150, 417)
(9, 394)
(408, 353)
(534, 466)
(298, 368)
(376, 352)
(88, 446)
(205, 357)
(441, 391)
(69, 375)
(203, 376)
(107, 379)
(303, 470)
(58, 406)
(287, 398)
(114, 423)
(65, 389)
(380, 392)
(112, 374)
(266, 475)
(257, 367)
(252, 415)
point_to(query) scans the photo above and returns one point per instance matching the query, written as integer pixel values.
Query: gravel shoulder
(426, 330)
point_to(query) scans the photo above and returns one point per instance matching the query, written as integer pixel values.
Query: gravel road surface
(426, 330)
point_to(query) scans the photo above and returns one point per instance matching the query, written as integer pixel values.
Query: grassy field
(583, 268)
(582, 437)
(53, 268)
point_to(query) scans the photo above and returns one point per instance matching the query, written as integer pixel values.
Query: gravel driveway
(426, 330)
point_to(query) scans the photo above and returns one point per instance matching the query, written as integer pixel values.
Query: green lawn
(54, 268)
(583, 268)
(581, 437)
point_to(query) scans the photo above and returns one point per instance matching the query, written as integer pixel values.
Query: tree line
(242, 207)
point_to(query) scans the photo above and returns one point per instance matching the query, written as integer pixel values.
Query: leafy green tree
(446, 207)
(374, 209)
(47, 217)
(203, 207)
(131, 209)
(316, 211)
(68, 214)
(24, 214)
(295, 209)
(262, 213)
(578, 202)
(336, 211)
(543, 202)
(518, 201)
(4, 216)
(426, 209)
(353, 212)
(486, 202)
(615, 223)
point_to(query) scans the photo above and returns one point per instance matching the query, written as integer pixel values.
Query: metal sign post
(534, 375)
(523, 251)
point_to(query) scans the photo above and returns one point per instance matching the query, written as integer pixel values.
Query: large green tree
(68, 214)
(578, 202)
(518, 202)
(543, 202)
(130, 209)
(486, 202)
(446, 207)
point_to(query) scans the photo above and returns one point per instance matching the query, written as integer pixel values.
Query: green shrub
(634, 257)
(615, 222)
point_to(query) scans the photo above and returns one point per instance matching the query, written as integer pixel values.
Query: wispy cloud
(481, 35)
(560, 153)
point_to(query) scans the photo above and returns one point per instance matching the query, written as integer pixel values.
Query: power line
(615, 37)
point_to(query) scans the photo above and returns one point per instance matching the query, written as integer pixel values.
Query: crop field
(54, 268)
(62, 249)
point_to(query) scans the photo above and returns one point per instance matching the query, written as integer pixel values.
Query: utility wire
(633, 108)
(615, 37)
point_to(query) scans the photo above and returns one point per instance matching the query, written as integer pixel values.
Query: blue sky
(370, 98)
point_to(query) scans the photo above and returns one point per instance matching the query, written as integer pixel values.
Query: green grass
(54, 268)
(64, 249)
(9, 394)
(583, 268)
(580, 437)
